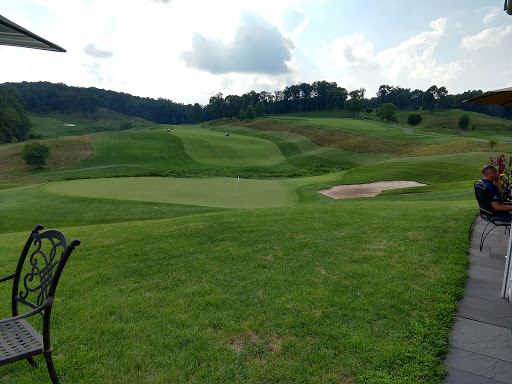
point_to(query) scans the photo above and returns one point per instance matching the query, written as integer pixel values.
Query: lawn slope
(353, 291)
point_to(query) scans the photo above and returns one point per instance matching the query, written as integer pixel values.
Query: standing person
(491, 177)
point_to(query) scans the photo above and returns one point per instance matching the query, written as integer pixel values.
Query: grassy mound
(214, 148)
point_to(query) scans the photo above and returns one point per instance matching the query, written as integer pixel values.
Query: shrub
(35, 153)
(388, 112)
(414, 119)
(464, 122)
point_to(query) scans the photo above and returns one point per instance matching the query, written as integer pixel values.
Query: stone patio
(481, 341)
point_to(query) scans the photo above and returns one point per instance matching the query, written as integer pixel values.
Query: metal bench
(34, 283)
(486, 213)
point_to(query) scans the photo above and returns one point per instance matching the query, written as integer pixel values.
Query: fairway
(212, 192)
(214, 148)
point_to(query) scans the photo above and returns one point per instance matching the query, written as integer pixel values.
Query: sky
(190, 50)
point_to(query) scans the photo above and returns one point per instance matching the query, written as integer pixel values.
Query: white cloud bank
(412, 62)
(491, 37)
(257, 47)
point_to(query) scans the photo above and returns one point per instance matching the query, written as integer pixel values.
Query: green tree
(354, 104)
(260, 109)
(429, 101)
(217, 106)
(414, 119)
(250, 113)
(464, 121)
(388, 112)
(35, 153)
(434, 96)
(196, 114)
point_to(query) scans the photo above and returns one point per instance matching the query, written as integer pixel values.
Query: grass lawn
(174, 284)
(352, 291)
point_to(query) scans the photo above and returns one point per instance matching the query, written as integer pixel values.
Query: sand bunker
(69, 125)
(366, 190)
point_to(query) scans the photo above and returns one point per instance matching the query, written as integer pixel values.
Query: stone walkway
(481, 341)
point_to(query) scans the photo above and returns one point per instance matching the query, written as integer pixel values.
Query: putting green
(212, 148)
(212, 192)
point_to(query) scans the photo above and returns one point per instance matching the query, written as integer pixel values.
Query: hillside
(213, 258)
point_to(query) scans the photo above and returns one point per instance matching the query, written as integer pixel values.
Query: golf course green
(211, 192)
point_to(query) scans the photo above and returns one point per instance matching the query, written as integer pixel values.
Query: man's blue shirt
(493, 193)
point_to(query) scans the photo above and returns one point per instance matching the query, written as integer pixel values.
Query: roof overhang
(14, 35)
(501, 97)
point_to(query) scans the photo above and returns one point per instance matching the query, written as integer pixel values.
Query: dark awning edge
(14, 35)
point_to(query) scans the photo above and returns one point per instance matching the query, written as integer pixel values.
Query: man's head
(490, 172)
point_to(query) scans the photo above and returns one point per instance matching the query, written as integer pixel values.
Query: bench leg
(473, 225)
(32, 362)
(51, 369)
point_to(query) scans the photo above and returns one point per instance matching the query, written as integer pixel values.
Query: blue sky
(189, 50)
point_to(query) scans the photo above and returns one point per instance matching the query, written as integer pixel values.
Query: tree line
(324, 96)
(48, 97)
(14, 123)
(15, 98)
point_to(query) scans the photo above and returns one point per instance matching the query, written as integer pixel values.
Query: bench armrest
(28, 314)
(8, 277)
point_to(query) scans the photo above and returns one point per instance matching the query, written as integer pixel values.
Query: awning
(14, 35)
(501, 97)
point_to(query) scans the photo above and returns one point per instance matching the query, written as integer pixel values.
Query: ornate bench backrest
(483, 201)
(39, 268)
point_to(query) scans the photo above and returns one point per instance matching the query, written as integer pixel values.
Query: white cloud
(258, 47)
(492, 15)
(491, 37)
(412, 62)
(413, 56)
(352, 50)
(93, 51)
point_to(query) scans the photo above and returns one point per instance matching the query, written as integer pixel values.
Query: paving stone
(485, 273)
(481, 365)
(484, 339)
(488, 262)
(483, 290)
(457, 376)
(486, 311)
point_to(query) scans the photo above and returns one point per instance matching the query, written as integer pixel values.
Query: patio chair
(34, 283)
(486, 213)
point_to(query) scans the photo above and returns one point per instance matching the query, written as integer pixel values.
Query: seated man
(491, 177)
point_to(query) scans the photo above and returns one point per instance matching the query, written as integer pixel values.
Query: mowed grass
(25, 206)
(211, 192)
(353, 291)
(215, 148)
(295, 145)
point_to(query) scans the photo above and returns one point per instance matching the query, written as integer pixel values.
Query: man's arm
(501, 207)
